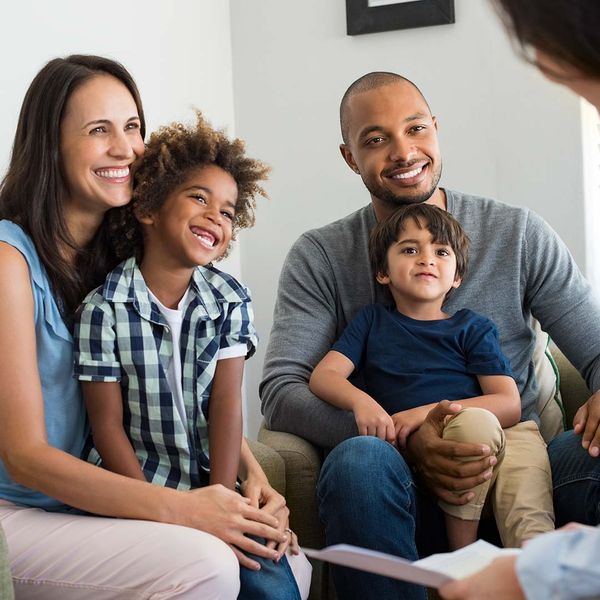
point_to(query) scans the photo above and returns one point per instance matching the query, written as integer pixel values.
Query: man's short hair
(444, 229)
(366, 83)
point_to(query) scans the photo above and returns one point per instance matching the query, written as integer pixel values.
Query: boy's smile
(194, 225)
(420, 273)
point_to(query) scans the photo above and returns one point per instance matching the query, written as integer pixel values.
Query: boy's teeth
(408, 175)
(206, 240)
(113, 173)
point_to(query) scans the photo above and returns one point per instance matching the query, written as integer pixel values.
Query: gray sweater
(518, 267)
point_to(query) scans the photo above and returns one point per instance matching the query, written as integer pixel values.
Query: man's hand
(437, 460)
(498, 581)
(587, 422)
(371, 419)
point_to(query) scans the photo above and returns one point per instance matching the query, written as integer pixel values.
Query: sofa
(6, 590)
(302, 463)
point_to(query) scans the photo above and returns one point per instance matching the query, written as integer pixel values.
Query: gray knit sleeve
(561, 299)
(304, 328)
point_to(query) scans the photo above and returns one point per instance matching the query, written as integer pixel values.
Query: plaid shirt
(120, 335)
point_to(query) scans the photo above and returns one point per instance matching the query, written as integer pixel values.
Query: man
(518, 268)
(565, 35)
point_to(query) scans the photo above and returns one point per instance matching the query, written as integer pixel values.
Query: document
(432, 571)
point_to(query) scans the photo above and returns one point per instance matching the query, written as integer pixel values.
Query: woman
(562, 38)
(80, 129)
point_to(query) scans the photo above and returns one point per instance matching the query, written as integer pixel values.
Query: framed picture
(372, 16)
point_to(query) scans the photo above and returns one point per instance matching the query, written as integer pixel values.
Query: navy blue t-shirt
(407, 363)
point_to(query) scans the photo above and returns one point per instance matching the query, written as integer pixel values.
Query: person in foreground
(565, 38)
(160, 346)
(80, 129)
(414, 355)
(518, 268)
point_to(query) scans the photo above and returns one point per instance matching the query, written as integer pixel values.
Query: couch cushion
(549, 404)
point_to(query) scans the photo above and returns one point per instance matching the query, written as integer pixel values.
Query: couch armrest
(6, 586)
(272, 464)
(302, 467)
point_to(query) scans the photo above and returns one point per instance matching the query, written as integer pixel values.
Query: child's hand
(371, 419)
(407, 421)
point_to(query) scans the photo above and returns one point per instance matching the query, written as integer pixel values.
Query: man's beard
(397, 200)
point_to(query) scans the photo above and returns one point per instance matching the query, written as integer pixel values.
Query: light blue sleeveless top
(63, 404)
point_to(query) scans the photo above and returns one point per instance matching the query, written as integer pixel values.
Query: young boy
(160, 346)
(413, 355)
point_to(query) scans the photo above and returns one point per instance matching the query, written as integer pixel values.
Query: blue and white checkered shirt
(120, 335)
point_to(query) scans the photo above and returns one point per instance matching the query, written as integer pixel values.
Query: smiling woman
(97, 152)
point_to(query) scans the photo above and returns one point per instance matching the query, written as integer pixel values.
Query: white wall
(505, 132)
(178, 52)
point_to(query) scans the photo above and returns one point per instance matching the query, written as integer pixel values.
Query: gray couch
(6, 590)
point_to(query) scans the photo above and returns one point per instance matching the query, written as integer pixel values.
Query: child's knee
(476, 426)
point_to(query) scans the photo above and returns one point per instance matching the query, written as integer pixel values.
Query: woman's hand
(231, 517)
(262, 495)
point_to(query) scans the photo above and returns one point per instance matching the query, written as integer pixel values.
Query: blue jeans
(367, 498)
(274, 581)
(576, 481)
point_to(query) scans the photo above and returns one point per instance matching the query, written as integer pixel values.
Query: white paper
(432, 571)
(466, 561)
(372, 3)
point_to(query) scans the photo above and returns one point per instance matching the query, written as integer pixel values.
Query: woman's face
(565, 74)
(99, 140)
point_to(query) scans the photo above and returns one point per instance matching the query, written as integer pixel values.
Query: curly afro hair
(172, 153)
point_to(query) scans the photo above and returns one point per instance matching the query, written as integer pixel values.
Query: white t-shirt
(174, 319)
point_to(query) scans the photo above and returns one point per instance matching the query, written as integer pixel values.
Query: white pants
(56, 556)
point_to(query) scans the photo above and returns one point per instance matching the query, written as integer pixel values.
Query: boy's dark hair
(172, 153)
(444, 228)
(566, 30)
(33, 191)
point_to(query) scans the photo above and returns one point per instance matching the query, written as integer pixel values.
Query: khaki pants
(520, 489)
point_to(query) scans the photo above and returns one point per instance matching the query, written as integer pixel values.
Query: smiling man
(519, 269)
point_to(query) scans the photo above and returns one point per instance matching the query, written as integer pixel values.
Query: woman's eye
(133, 125)
(99, 129)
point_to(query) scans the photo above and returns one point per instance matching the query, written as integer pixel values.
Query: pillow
(549, 405)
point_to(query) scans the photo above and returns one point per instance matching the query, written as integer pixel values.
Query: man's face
(393, 145)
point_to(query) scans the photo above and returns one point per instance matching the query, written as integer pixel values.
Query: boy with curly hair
(154, 338)
(160, 346)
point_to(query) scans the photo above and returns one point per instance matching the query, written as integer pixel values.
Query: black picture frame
(362, 18)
